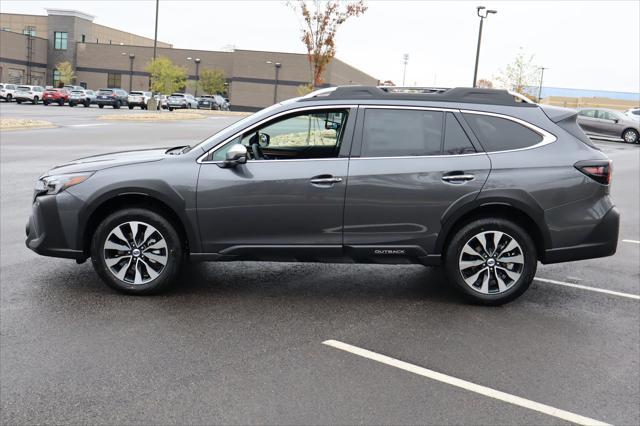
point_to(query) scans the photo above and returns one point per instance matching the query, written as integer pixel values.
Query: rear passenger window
(500, 134)
(456, 140)
(395, 133)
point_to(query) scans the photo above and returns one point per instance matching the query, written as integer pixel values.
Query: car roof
(427, 94)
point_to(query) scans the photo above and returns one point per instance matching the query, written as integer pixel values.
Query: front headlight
(56, 183)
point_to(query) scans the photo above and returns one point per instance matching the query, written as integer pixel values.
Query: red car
(55, 95)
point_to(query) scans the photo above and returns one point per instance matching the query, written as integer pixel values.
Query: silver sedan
(607, 123)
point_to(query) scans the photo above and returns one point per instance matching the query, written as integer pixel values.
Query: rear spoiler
(557, 114)
(565, 118)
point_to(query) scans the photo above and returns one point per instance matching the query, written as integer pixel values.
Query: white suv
(7, 91)
(138, 98)
(32, 94)
(633, 113)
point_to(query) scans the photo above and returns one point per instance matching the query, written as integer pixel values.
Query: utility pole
(405, 61)
(540, 87)
(277, 66)
(482, 16)
(132, 56)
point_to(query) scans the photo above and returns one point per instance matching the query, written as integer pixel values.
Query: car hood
(105, 161)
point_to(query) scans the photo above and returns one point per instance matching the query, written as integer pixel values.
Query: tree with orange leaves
(321, 20)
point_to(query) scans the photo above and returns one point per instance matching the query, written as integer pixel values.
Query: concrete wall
(17, 22)
(13, 59)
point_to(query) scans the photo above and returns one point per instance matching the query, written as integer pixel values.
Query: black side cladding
(566, 119)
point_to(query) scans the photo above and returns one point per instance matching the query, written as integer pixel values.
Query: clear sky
(585, 44)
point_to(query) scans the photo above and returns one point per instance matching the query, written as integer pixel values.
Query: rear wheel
(18, 101)
(9, 97)
(630, 136)
(116, 105)
(71, 104)
(87, 103)
(491, 261)
(136, 251)
(101, 106)
(35, 100)
(45, 103)
(61, 102)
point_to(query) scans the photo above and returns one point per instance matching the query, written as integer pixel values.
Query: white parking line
(585, 287)
(631, 241)
(453, 381)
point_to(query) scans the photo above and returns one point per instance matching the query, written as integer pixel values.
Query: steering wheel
(256, 150)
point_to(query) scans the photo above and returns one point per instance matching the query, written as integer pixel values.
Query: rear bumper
(602, 241)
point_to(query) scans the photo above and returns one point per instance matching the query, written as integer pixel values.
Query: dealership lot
(243, 342)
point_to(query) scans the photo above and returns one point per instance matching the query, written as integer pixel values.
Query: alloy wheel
(630, 136)
(135, 252)
(491, 262)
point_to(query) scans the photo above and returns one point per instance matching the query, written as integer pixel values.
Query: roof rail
(433, 94)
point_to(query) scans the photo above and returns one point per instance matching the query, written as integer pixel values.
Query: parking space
(243, 342)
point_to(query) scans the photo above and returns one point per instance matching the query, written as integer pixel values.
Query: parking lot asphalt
(242, 343)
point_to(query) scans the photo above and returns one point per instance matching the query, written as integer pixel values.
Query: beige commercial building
(32, 45)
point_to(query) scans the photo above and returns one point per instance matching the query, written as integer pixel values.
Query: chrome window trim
(547, 137)
(429, 108)
(271, 117)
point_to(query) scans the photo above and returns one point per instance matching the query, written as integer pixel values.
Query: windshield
(24, 88)
(105, 91)
(177, 95)
(77, 92)
(136, 93)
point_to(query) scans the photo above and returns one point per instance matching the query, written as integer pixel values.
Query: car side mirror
(616, 120)
(237, 154)
(265, 139)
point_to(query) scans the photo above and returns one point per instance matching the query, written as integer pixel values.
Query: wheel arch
(110, 203)
(516, 211)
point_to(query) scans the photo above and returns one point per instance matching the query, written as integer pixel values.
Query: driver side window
(316, 134)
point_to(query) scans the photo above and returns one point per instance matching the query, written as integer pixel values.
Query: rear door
(408, 167)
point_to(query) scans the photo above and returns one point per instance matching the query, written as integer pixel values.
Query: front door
(288, 199)
(409, 166)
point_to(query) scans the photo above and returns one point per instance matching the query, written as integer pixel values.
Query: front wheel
(136, 251)
(491, 261)
(60, 102)
(71, 104)
(116, 105)
(100, 106)
(630, 136)
(35, 100)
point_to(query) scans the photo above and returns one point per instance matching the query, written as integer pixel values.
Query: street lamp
(197, 61)
(132, 56)
(405, 61)
(540, 87)
(277, 66)
(482, 13)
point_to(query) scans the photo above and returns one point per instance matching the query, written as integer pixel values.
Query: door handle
(325, 180)
(458, 178)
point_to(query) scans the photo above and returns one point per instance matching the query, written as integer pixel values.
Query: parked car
(468, 179)
(181, 101)
(82, 97)
(112, 97)
(162, 101)
(71, 87)
(601, 122)
(138, 99)
(7, 91)
(633, 113)
(216, 102)
(31, 94)
(59, 96)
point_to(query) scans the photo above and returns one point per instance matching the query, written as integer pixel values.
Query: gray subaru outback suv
(469, 179)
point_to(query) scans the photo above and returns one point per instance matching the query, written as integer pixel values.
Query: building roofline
(70, 12)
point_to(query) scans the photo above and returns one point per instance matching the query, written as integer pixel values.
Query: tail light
(113, 95)
(598, 170)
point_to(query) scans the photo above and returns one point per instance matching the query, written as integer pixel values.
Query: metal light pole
(482, 13)
(540, 87)
(405, 61)
(132, 56)
(155, 39)
(197, 61)
(277, 67)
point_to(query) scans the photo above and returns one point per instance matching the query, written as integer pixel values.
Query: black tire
(116, 105)
(130, 106)
(170, 109)
(71, 104)
(35, 100)
(101, 106)
(45, 103)
(60, 102)
(465, 234)
(87, 104)
(18, 101)
(630, 136)
(8, 97)
(174, 251)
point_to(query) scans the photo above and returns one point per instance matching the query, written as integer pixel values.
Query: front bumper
(51, 228)
(602, 241)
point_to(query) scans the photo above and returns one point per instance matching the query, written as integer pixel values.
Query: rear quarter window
(501, 134)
